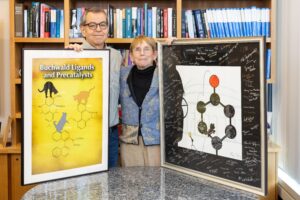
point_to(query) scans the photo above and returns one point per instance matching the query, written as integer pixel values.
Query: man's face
(94, 30)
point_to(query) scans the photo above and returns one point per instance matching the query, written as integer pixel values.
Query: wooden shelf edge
(38, 40)
(18, 81)
(18, 115)
(11, 149)
(270, 81)
(272, 147)
(129, 40)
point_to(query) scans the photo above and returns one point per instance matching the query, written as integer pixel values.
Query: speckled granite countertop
(135, 183)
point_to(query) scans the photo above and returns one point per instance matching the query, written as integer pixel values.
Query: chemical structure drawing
(229, 111)
(63, 139)
(82, 108)
(49, 109)
(64, 142)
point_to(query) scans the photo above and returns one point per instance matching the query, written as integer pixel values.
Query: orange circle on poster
(214, 81)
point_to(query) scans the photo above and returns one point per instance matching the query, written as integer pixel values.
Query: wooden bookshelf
(10, 157)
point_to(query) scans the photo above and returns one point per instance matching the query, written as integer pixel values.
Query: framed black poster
(213, 116)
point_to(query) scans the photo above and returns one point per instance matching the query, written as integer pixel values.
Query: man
(94, 28)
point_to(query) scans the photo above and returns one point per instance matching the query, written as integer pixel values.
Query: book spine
(174, 24)
(123, 23)
(53, 23)
(77, 26)
(62, 30)
(47, 23)
(42, 20)
(170, 27)
(146, 18)
(128, 23)
(139, 21)
(267, 16)
(165, 16)
(149, 22)
(29, 20)
(158, 22)
(115, 24)
(25, 23)
(268, 64)
(36, 19)
(19, 20)
(134, 21)
(154, 20)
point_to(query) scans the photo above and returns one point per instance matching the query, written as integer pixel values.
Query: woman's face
(143, 55)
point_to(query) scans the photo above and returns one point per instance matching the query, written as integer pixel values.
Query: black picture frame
(194, 63)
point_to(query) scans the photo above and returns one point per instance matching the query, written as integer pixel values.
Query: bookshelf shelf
(17, 43)
(113, 40)
(38, 40)
(18, 115)
(18, 81)
(11, 150)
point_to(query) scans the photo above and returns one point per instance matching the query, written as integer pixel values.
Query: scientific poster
(65, 96)
(213, 115)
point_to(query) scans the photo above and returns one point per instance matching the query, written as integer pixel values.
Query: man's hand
(170, 40)
(75, 47)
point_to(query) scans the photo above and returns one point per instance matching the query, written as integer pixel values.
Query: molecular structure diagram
(85, 116)
(49, 109)
(230, 131)
(63, 141)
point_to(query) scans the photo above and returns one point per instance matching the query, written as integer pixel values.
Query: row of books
(226, 22)
(133, 21)
(39, 20)
(76, 15)
(42, 20)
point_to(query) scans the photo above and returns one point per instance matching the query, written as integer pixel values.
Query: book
(47, 23)
(268, 64)
(198, 23)
(170, 24)
(35, 19)
(19, 20)
(58, 24)
(134, 21)
(165, 20)
(110, 16)
(149, 15)
(43, 8)
(29, 22)
(146, 18)
(62, 30)
(53, 23)
(174, 24)
(25, 30)
(154, 21)
(128, 23)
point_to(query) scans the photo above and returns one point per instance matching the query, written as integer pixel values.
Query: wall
(4, 61)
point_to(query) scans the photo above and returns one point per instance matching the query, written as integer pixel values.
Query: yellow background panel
(79, 142)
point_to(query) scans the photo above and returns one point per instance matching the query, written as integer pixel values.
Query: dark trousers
(113, 146)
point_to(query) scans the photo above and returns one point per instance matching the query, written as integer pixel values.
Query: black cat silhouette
(48, 86)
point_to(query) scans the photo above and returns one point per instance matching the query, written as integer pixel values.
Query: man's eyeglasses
(93, 25)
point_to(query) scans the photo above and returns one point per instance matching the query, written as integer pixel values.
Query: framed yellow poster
(65, 109)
